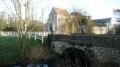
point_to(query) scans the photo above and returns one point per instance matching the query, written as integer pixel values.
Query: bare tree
(23, 12)
(117, 15)
(78, 22)
(2, 21)
(36, 26)
(22, 24)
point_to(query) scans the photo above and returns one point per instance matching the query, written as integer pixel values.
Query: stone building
(57, 16)
(103, 26)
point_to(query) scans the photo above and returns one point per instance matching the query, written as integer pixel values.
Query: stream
(37, 65)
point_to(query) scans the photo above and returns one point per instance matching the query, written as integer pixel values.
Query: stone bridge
(99, 47)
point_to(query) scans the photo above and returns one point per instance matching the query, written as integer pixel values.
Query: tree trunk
(23, 44)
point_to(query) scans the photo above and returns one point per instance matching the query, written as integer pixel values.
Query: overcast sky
(95, 8)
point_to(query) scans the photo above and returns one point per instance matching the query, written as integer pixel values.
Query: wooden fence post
(5, 33)
(29, 35)
(17, 35)
(42, 39)
(35, 37)
(11, 34)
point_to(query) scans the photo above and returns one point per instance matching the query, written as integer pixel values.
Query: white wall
(55, 21)
(60, 20)
(51, 21)
(100, 30)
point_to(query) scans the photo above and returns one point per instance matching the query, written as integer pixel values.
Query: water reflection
(37, 65)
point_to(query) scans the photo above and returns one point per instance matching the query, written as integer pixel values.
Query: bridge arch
(74, 57)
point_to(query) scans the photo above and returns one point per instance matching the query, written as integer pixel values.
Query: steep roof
(103, 20)
(99, 24)
(60, 11)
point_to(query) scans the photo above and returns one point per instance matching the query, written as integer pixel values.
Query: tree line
(9, 23)
(117, 15)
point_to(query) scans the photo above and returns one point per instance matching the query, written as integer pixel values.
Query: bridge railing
(95, 40)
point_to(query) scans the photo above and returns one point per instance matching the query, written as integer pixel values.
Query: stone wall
(106, 54)
(99, 53)
(95, 40)
(59, 47)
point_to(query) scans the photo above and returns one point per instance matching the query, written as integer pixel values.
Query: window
(51, 29)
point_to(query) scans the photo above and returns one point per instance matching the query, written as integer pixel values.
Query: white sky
(95, 8)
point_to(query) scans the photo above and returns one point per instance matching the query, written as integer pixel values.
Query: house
(57, 16)
(103, 26)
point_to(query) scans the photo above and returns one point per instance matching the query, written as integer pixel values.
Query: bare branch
(8, 7)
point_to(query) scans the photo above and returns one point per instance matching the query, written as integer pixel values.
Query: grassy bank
(10, 49)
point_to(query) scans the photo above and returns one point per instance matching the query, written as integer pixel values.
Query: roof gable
(60, 11)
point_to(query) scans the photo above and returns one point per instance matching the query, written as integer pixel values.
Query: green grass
(10, 48)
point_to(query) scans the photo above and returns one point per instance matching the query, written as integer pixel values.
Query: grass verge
(10, 49)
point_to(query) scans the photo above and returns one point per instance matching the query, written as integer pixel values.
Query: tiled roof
(60, 11)
(101, 22)
(104, 20)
